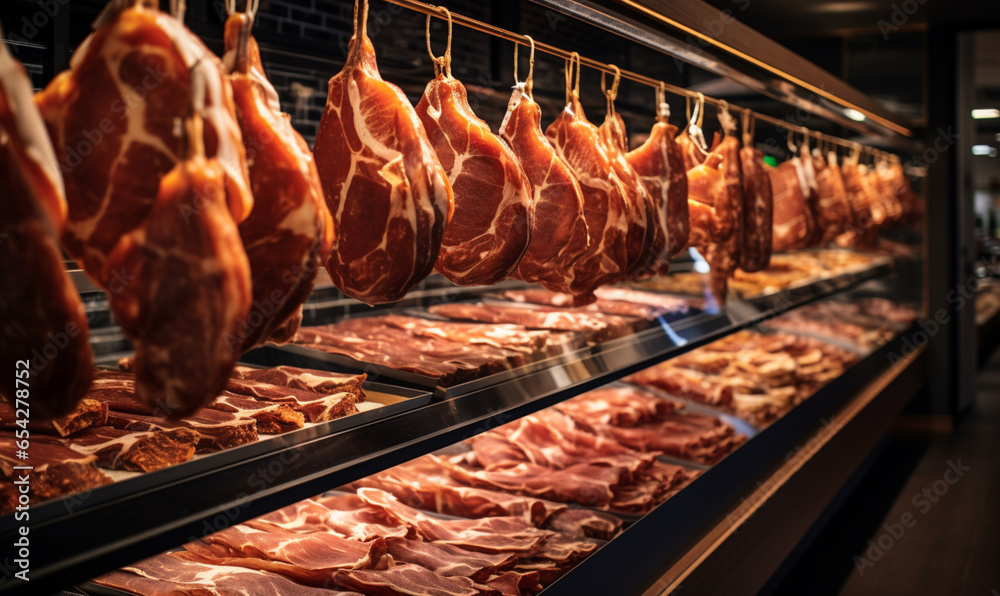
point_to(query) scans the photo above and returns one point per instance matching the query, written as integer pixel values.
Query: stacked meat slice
(44, 349)
(388, 194)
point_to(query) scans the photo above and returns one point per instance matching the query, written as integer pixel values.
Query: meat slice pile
(601, 305)
(43, 327)
(846, 322)
(451, 352)
(756, 376)
(288, 234)
(559, 237)
(645, 422)
(494, 211)
(388, 194)
(596, 326)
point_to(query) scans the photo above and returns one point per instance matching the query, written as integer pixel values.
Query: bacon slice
(388, 194)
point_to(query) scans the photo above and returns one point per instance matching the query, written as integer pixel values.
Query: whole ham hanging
(112, 119)
(793, 218)
(812, 193)
(659, 163)
(723, 254)
(44, 348)
(639, 209)
(758, 204)
(579, 143)
(288, 234)
(494, 208)
(834, 209)
(559, 236)
(388, 194)
(192, 284)
(863, 231)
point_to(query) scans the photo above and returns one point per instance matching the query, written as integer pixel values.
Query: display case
(797, 456)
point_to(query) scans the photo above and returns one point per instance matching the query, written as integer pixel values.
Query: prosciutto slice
(494, 209)
(114, 145)
(579, 143)
(41, 316)
(289, 232)
(388, 194)
(660, 165)
(559, 237)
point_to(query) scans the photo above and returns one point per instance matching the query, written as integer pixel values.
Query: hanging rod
(517, 38)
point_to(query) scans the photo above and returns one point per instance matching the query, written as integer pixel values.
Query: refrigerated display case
(769, 491)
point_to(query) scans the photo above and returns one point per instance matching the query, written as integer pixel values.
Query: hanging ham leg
(388, 194)
(559, 237)
(639, 209)
(112, 118)
(834, 210)
(288, 234)
(43, 326)
(191, 289)
(660, 164)
(723, 254)
(758, 211)
(579, 143)
(494, 213)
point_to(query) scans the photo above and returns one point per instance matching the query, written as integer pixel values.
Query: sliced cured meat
(172, 574)
(272, 418)
(315, 407)
(406, 579)
(579, 143)
(669, 303)
(114, 150)
(216, 430)
(448, 560)
(56, 470)
(494, 208)
(559, 237)
(288, 234)
(344, 515)
(515, 583)
(617, 406)
(654, 485)
(601, 305)
(587, 484)
(425, 484)
(389, 196)
(87, 413)
(43, 326)
(186, 253)
(310, 558)
(136, 451)
(594, 325)
(585, 523)
(685, 383)
(660, 165)
(512, 337)
(487, 535)
(316, 381)
(758, 208)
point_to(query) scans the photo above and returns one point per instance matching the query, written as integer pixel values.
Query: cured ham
(579, 143)
(136, 451)
(288, 234)
(494, 209)
(595, 326)
(641, 214)
(388, 194)
(87, 413)
(315, 381)
(602, 305)
(559, 237)
(113, 150)
(187, 252)
(216, 430)
(56, 470)
(42, 320)
(448, 560)
(344, 515)
(758, 206)
(793, 224)
(405, 579)
(660, 165)
(834, 208)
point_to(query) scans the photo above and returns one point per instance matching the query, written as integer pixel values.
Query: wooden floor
(924, 519)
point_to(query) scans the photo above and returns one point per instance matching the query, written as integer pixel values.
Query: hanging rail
(610, 69)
